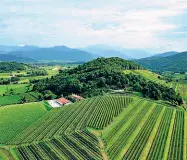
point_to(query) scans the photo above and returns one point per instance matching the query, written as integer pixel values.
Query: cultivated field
(14, 119)
(109, 127)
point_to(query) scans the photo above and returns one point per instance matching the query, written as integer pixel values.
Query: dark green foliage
(11, 66)
(37, 72)
(4, 81)
(100, 75)
(175, 63)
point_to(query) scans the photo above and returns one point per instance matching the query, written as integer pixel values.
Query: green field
(147, 75)
(180, 87)
(14, 119)
(105, 127)
(17, 88)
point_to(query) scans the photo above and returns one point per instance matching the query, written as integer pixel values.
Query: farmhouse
(63, 101)
(76, 97)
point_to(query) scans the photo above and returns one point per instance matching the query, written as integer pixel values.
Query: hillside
(11, 66)
(175, 63)
(103, 127)
(165, 54)
(7, 49)
(10, 58)
(102, 75)
(60, 53)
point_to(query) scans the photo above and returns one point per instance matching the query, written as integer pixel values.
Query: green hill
(11, 66)
(175, 63)
(102, 75)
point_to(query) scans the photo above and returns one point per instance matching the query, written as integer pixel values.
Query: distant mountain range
(109, 51)
(61, 53)
(160, 55)
(8, 49)
(31, 53)
(169, 61)
(8, 58)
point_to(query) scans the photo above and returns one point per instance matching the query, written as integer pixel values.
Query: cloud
(129, 24)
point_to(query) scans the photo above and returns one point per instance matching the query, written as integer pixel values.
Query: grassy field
(147, 75)
(8, 75)
(17, 88)
(11, 99)
(14, 119)
(180, 87)
(109, 127)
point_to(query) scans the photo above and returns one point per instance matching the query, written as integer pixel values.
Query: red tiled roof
(63, 100)
(77, 97)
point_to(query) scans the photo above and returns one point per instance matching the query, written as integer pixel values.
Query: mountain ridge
(175, 63)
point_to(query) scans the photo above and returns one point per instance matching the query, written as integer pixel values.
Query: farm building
(54, 104)
(76, 97)
(63, 101)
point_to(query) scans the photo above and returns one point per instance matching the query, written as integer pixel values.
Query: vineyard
(104, 127)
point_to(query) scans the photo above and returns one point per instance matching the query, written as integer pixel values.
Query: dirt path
(7, 154)
(101, 143)
(102, 146)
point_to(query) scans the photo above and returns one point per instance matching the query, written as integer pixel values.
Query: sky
(151, 25)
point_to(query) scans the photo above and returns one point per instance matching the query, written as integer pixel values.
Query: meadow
(13, 93)
(17, 88)
(147, 75)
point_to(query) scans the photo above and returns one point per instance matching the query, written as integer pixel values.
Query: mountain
(105, 51)
(166, 54)
(175, 63)
(11, 58)
(109, 51)
(61, 53)
(7, 49)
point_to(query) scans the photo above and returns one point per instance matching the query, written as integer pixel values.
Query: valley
(127, 112)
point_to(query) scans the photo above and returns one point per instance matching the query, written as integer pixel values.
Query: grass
(14, 119)
(147, 75)
(17, 88)
(7, 100)
(146, 149)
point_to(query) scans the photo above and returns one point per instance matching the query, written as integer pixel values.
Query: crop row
(98, 112)
(123, 138)
(106, 111)
(125, 119)
(177, 138)
(141, 139)
(74, 147)
(157, 148)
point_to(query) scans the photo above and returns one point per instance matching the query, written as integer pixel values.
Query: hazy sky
(156, 25)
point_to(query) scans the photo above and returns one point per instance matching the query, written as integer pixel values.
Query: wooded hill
(11, 66)
(99, 76)
(175, 63)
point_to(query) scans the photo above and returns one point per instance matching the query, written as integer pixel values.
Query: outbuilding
(63, 101)
(76, 97)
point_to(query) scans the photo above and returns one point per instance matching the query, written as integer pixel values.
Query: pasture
(16, 88)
